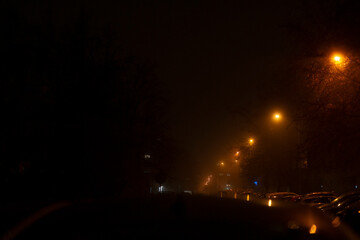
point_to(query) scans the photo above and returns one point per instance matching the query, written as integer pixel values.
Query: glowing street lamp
(337, 59)
(277, 117)
(251, 141)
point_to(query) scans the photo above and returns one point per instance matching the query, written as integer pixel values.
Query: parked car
(281, 195)
(317, 200)
(350, 215)
(335, 209)
(319, 194)
(338, 200)
(327, 196)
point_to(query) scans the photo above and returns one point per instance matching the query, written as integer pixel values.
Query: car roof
(282, 193)
(318, 196)
(319, 193)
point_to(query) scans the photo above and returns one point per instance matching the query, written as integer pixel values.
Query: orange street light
(222, 164)
(277, 117)
(337, 59)
(251, 141)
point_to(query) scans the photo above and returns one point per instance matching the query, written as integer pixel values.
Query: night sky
(222, 67)
(211, 56)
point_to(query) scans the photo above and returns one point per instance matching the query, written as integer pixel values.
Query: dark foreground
(175, 217)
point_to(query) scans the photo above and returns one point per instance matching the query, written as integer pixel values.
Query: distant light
(356, 186)
(188, 192)
(277, 117)
(235, 195)
(251, 141)
(359, 211)
(247, 197)
(293, 225)
(336, 222)
(313, 229)
(337, 58)
(269, 203)
(256, 183)
(321, 186)
(147, 156)
(161, 188)
(208, 180)
(222, 163)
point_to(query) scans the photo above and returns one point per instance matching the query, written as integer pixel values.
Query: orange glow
(222, 163)
(337, 58)
(251, 141)
(336, 222)
(277, 117)
(235, 195)
(237, 154)
(313, 229)
(208, 180)
(269, 203)
(247, 197)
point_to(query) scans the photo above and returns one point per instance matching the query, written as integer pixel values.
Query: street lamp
(251, 141)
(277, 117)
(337, 59)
